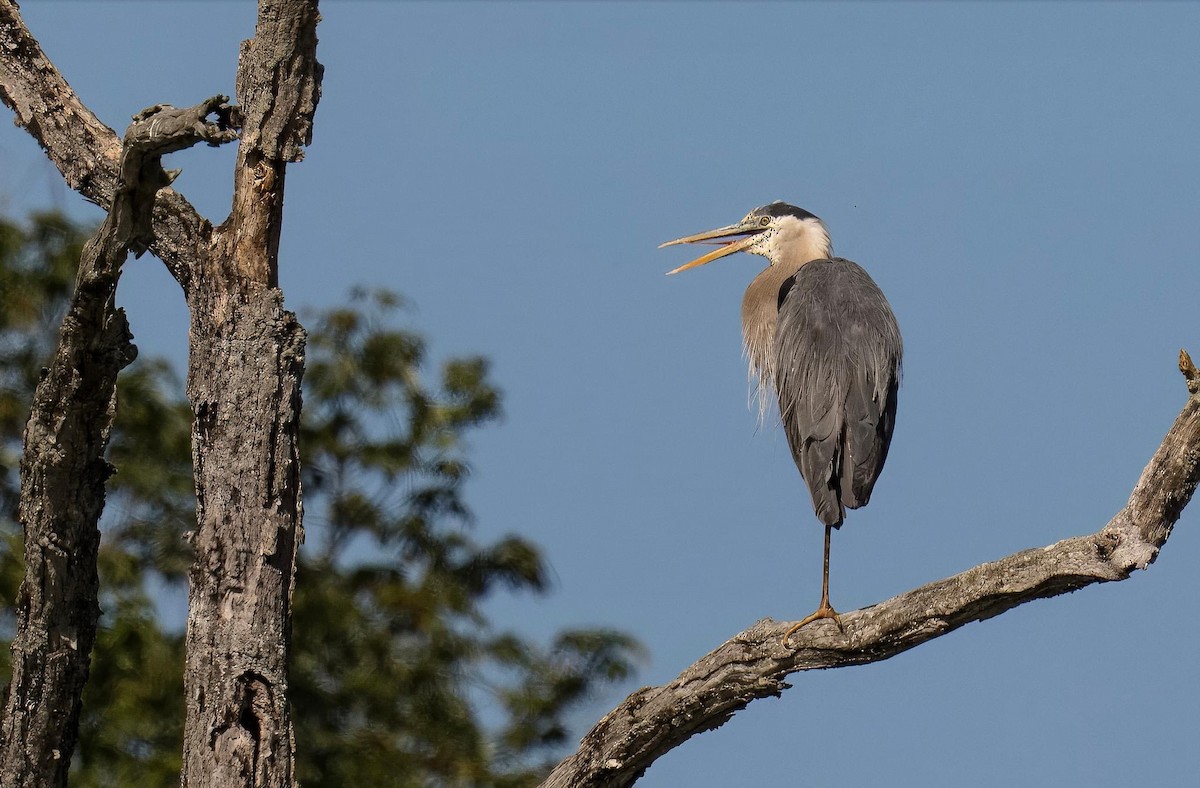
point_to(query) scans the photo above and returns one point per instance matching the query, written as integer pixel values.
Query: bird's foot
(824, 611)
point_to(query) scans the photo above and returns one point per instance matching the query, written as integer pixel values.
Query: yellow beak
(731, 240)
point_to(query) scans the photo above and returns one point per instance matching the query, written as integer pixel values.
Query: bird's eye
(765, 221)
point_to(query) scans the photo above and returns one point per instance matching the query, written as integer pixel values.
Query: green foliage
(132, 724)
(37, 270)
(133, 705)
(394, 663)
(392, 650)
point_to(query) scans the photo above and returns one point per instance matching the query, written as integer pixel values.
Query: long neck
(760, 311)
(760, 304)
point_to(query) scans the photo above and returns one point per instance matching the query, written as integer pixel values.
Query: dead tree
(244, 372)
(245, 366)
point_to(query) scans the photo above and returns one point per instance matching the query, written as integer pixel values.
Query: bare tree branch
(279, 85)
(753, 664)
(63, 470)
(84, 150)
(244, 374)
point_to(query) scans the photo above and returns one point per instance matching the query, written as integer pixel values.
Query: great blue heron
(820, 335)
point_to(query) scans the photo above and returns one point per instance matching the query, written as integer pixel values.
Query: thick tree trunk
(244, 373)
(244, 384)
(63, 470)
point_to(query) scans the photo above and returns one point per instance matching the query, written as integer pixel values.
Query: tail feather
(818, 454)
(863, 443)
(819, 463)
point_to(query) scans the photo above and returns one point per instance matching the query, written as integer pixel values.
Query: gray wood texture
(63, 470)
(244, 374)
(754, 663)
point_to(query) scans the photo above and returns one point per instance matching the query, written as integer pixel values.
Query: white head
(782, 233)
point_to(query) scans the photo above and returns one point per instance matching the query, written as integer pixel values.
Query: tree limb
(754, 663)
(84, 150)
(244, 376)
(63, 470)
(278, 85)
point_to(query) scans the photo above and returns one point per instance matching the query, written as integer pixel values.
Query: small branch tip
(1190, 373)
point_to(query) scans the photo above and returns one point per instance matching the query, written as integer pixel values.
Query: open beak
(733, 238)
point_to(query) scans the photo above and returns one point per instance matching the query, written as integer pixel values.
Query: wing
(838, 353)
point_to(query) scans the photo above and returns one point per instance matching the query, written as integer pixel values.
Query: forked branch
(63, 471)
(82, 148)
(754, 664)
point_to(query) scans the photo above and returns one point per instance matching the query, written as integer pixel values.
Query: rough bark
(244, 377)
(244, 373)
(754, 663)
(84, 150)
(244, 383)
(63, 470)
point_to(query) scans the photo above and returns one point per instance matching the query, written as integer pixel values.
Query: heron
(819, 335)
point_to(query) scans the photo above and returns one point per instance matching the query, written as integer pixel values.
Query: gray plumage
(837, 365)
(821, 337)
(822, 341)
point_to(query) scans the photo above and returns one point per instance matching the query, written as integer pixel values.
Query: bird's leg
(825, 610)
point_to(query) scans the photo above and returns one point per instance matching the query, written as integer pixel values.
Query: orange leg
(824, 610)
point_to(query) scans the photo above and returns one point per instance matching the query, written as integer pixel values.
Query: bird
(821, 337)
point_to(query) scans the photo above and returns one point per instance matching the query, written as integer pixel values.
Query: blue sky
(1020, 179)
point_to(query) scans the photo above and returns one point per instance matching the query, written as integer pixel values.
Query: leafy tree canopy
(395, 666)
